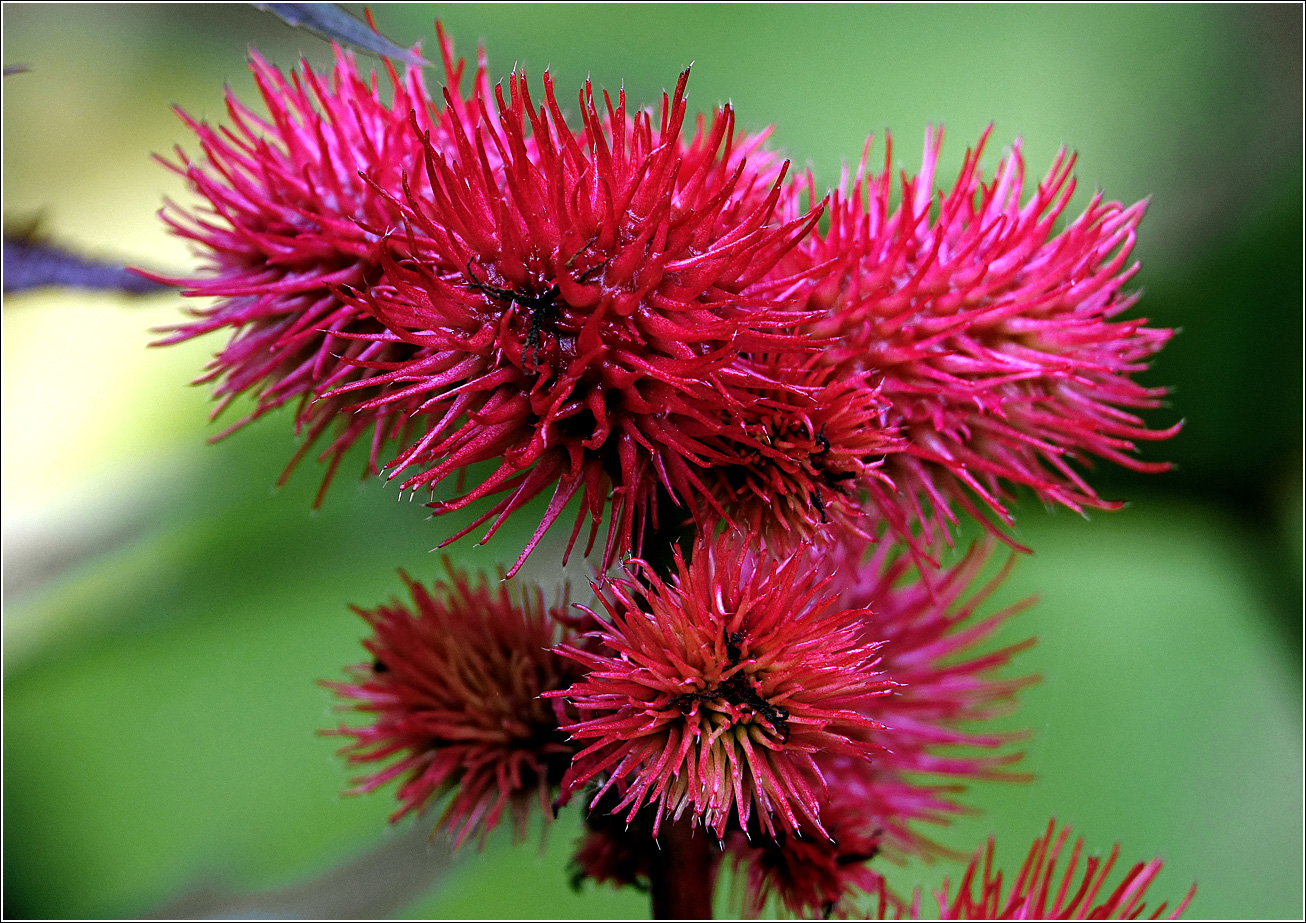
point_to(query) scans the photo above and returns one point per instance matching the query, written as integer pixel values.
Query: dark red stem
(683, 873)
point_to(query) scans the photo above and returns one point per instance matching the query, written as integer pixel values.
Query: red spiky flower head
(1040, 893)
(578, 312)
(996, 338)
(712, 693)
(453, 692)
(286, 218)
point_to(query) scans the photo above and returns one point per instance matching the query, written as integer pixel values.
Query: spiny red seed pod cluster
(454, 690)
(646, 316)
(736, 693)
(995, 339)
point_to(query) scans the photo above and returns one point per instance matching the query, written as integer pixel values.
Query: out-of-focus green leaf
(1168, 717)
(174, 738)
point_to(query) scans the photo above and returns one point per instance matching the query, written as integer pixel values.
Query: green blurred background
(168, 612)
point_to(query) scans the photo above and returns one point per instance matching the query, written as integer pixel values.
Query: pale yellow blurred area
(86, 402)
(96, 427)
(89, 409)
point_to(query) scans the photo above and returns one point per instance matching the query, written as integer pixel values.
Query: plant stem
(658, 545)
(683, 874)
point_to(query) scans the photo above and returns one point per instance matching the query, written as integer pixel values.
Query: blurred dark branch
(329, 21)
(374, 885)
(41, 551)
(31, 263)
(11, 69)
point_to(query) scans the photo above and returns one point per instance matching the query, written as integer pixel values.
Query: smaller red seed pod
(712, 693)
(453, 695)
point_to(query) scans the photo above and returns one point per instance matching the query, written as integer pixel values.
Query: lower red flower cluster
(742, 692)
(772, 405)
(799, 708)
